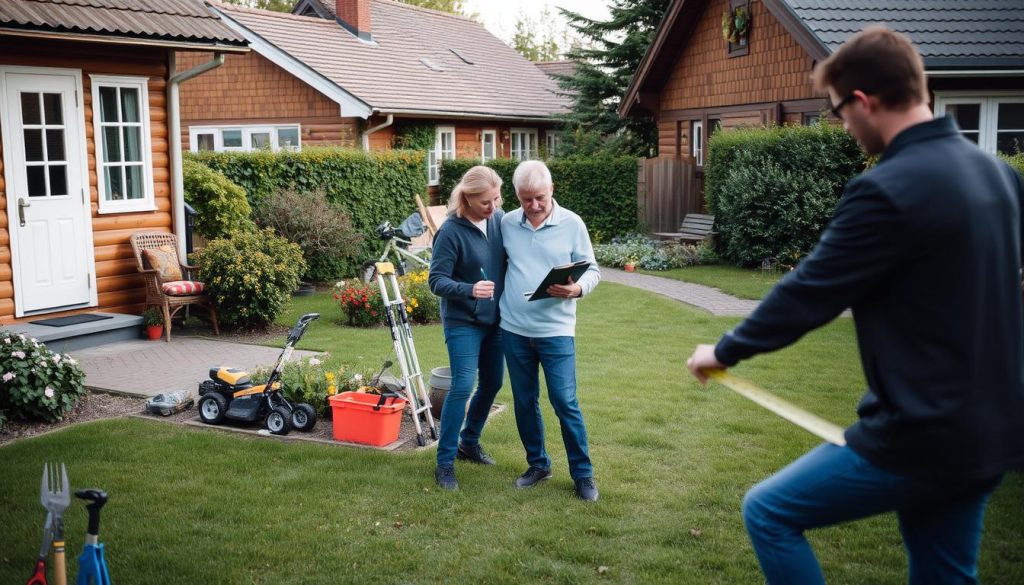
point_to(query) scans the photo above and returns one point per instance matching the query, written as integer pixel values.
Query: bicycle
(398, 247)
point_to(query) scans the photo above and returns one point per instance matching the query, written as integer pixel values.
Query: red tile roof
(180, 21)
(420, 60)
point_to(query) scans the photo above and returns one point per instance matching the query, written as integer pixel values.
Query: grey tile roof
(564, 67)
(187, 21)
(420, 61)
(949, 33)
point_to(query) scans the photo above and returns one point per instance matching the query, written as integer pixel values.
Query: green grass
(672, 460)
(738, 282)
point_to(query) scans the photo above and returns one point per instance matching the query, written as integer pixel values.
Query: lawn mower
(230, 393)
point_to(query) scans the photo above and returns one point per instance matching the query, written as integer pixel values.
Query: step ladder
(405, 351)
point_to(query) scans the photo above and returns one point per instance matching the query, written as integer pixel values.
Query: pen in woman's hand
(484, 274)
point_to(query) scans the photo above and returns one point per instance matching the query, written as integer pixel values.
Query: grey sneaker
(445, 476)
(474, 454)
(586, 489)
(532, 476)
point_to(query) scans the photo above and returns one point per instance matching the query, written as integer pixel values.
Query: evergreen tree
(605, 63)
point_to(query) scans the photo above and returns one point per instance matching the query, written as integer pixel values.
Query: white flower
(33, 340)
(314, 362)
(21, 336)
(71, 360)
(56, 358)
(339, 284)
(18, 354)
(8, 376)
(7, 340)
(357, 377)
(49, 392)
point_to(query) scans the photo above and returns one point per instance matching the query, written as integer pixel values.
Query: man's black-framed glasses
(838, 108)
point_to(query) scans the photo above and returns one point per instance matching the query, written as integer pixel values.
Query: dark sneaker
(586, 489)
(532, 476)
(474, 454)
(445, 476)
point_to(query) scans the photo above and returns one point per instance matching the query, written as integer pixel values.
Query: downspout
(366, 134)
(174, 139)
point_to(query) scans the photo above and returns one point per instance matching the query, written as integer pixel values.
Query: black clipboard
(558, 275)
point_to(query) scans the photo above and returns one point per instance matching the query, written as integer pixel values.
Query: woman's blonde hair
(476, 181)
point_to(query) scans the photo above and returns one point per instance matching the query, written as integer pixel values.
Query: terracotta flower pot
(629, 267)
(154, 332)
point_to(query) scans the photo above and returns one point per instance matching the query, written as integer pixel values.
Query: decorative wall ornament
(736, 25)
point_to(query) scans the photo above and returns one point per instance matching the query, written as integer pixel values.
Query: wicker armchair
(170, 304)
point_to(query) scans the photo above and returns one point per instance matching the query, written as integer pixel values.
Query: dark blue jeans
(470, 350)
(557, 356)
(940, 521)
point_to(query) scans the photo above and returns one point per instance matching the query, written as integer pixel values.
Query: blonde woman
(468, 253)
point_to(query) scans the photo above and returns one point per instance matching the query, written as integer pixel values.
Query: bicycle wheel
(368, 273)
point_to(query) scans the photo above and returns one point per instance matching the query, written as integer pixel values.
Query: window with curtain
(123, 153)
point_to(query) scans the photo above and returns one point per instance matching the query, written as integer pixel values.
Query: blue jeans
(940, 520)
(557, 355)
(470, 349)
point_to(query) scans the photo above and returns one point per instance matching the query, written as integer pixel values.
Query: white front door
(48, 214)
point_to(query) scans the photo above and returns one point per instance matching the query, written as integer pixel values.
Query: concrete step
(82, 335)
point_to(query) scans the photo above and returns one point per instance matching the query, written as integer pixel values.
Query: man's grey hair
(531, 175)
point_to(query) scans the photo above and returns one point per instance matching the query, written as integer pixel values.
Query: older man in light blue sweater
(538, 236)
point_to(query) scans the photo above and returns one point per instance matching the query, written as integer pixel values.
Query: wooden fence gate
(668, 189)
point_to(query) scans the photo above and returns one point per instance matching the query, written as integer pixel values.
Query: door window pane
(1010, 142)
(111, 144)
(204, 142)
(108, 104)
(1011, 116)
(55, 145)
(288, 137)
(58, 180)
(112, 180)
(967, 116)
(129, 104)
(132, 144)
(134, 186)
(52, 112)
(34, 145)
(36, 181)
(260, 140)
(30, 112)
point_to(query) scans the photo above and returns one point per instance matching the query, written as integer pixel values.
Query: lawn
(739, 282)
(672, 461)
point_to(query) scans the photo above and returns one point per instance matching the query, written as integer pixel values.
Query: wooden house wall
(119, 287)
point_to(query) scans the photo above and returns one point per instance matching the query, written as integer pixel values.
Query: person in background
(538, 236)
(467, 253)
(926, 248)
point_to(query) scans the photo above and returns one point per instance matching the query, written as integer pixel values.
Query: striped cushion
(177, 288)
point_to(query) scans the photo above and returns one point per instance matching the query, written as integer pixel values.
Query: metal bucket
(440, 382)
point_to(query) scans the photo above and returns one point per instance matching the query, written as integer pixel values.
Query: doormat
(71, 320)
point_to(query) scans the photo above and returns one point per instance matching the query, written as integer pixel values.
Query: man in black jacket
(925, 247)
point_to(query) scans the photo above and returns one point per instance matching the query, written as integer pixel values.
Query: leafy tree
(453, 6)
(275, 5)
(535, 41)
(606, 60)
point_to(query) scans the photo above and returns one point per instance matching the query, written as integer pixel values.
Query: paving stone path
(710, 299)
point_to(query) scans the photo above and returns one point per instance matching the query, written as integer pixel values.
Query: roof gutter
(174, 139)
(975, 73)
(366, 134)
(463, 115)
(116, 40)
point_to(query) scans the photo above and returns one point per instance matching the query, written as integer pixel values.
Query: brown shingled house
(351, 72)
(87, 94)
(695, 81)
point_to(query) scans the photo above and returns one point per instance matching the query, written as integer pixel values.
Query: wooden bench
(696, 227)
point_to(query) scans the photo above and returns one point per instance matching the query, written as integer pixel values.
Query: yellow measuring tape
(815, 424)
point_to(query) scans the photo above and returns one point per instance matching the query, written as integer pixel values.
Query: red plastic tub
(356, 421)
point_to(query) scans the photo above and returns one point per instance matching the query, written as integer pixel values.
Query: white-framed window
(697, 142)
(244, 138)
(488, 145)
(444, 149)
(124, 165)
(995, 122)
(524, 143)
(553, 142)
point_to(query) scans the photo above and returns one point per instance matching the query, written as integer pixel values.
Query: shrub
(773, 190)
(363, 307)
(1016, 161)
(421, 304)
(152, 316)
(220, 205)
(311, 381)
(322, 229)
(601, 189)
(36, 383)
(370, 186)
(250, 276)
(651, 255)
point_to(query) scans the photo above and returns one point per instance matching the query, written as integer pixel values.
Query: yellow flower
(408, 309)
(332, 390)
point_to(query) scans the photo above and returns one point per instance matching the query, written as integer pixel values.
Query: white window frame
(483, 145)
(988, 116)
(147, 203)
(553, 142)
(697, 142)
(522, 153)
(439, 153)
(247, 132)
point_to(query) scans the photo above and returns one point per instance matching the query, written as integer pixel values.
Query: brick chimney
(354, 15)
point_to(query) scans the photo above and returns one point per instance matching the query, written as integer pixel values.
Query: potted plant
(630, 264)
(153, 319)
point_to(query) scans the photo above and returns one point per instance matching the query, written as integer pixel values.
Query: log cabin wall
(119, 287)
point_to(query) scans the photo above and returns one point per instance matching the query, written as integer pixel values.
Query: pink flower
(18, 354)
(49, 392)
(56, 358)
(8, 376)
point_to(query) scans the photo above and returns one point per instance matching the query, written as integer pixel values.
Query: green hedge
(773, 190)
(221, 206)
(601, 190)
(1016, 161)
(370, 186)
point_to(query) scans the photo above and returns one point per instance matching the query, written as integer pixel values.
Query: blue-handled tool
(92, 565)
